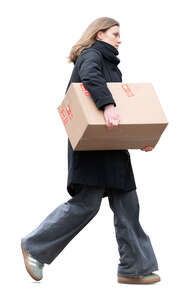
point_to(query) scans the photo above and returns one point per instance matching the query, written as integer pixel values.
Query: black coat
(94, 67)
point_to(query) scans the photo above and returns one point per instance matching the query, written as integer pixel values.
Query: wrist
(108, 106)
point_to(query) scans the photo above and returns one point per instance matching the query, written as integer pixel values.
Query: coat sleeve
(90, 72)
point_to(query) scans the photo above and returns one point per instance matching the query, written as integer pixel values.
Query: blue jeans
(54, 233)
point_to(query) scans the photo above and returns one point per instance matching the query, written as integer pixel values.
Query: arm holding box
(90, 72)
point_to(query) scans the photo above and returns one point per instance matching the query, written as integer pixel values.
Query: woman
(93, 175)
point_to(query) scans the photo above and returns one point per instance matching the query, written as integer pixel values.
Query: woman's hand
(147, 148)
(112, 119)
(111, 116)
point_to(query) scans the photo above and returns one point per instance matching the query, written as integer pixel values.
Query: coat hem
(73, 190)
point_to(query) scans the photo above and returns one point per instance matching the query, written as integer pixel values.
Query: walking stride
(93, 175)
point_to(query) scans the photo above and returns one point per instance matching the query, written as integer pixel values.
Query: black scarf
(108, 51)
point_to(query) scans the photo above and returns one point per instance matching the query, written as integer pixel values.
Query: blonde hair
(89, 36)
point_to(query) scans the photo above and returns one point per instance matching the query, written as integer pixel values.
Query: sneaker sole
(135, 280)
(29, 270)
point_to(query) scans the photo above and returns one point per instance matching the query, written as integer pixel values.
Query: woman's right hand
(111, 115)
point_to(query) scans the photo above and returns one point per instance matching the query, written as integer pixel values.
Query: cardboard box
(142, 120)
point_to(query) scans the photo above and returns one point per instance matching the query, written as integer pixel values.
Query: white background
(36, 38)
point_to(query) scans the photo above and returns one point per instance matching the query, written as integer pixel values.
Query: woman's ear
(99, 35)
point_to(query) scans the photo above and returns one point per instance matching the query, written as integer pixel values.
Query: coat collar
(108, 51)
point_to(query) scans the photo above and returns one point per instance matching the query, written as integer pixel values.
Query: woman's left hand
(147, 148)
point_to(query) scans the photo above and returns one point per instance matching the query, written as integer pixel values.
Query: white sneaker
(33, 266)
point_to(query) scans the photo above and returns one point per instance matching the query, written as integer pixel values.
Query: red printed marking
(127, 90)
(69, 112)
(63, 116)
(84, 89)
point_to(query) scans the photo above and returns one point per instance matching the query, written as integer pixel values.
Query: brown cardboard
(142, 119)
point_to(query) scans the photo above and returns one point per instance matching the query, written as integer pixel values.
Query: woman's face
(111, 36)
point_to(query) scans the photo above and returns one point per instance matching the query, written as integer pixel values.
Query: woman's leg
(46, 241)
(137, 256)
